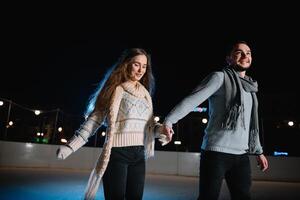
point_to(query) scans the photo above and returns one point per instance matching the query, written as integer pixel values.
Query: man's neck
(239, 70)
(242, 74)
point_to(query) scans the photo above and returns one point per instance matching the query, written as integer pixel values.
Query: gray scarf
(234, 102)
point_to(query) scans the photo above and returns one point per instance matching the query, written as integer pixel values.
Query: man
(232, 132)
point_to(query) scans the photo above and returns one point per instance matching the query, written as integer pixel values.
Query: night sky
(56, 61)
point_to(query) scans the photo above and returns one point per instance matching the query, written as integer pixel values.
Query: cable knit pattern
(130, 123)
(133, 115)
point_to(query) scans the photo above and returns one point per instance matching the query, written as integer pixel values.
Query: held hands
(63, 152)
(163, 139)
(166, 135)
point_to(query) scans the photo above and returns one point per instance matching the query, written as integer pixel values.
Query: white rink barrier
(31, 155)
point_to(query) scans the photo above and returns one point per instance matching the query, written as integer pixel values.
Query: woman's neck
(135, 83)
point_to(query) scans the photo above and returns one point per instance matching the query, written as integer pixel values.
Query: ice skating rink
(37, 183)
(31, 171)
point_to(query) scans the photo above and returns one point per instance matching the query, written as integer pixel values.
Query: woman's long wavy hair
(117, 74)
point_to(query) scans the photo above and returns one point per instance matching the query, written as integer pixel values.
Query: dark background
(54, 57)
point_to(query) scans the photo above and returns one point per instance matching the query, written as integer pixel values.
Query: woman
(124, 102)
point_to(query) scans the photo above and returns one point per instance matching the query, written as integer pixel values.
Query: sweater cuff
(76, 142)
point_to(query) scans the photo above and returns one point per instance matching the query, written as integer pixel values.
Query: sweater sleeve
(89, 127)
(202, 92)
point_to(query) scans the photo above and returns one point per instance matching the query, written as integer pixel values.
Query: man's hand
(163, 139)
(168, 132)
(262, 162)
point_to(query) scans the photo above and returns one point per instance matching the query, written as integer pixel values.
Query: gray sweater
(216, 138)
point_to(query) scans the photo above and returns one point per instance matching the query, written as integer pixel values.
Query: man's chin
(241, 68)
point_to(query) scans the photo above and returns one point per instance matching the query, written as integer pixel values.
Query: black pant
(124, 177)
(215, 166)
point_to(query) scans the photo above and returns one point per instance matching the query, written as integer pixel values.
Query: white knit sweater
(135, 111)
(130, 123)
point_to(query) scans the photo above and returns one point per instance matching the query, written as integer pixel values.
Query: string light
(11, 122)
(177, 142)
(156, 119)
(37, 112)
(291, 123)
(63, 140)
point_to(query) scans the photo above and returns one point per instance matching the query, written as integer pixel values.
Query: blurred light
(278, 153)
(278, 126)
(200, 109)
(1, 103)
(10, 123)
(204, 120)
(59, 129)
(177, 142)
(37, 112)
(103, 133)
(45, 140)
(38, 133)
(291, 123)
(156, 119)
(63, 140)
(28, 145)
(42, 134)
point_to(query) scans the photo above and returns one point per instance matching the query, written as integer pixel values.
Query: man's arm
(201, 93)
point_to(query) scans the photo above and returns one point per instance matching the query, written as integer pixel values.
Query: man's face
(241, 56)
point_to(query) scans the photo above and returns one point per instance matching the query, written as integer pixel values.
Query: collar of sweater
(137, 89)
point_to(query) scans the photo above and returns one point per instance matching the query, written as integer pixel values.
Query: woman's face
(138, 67)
